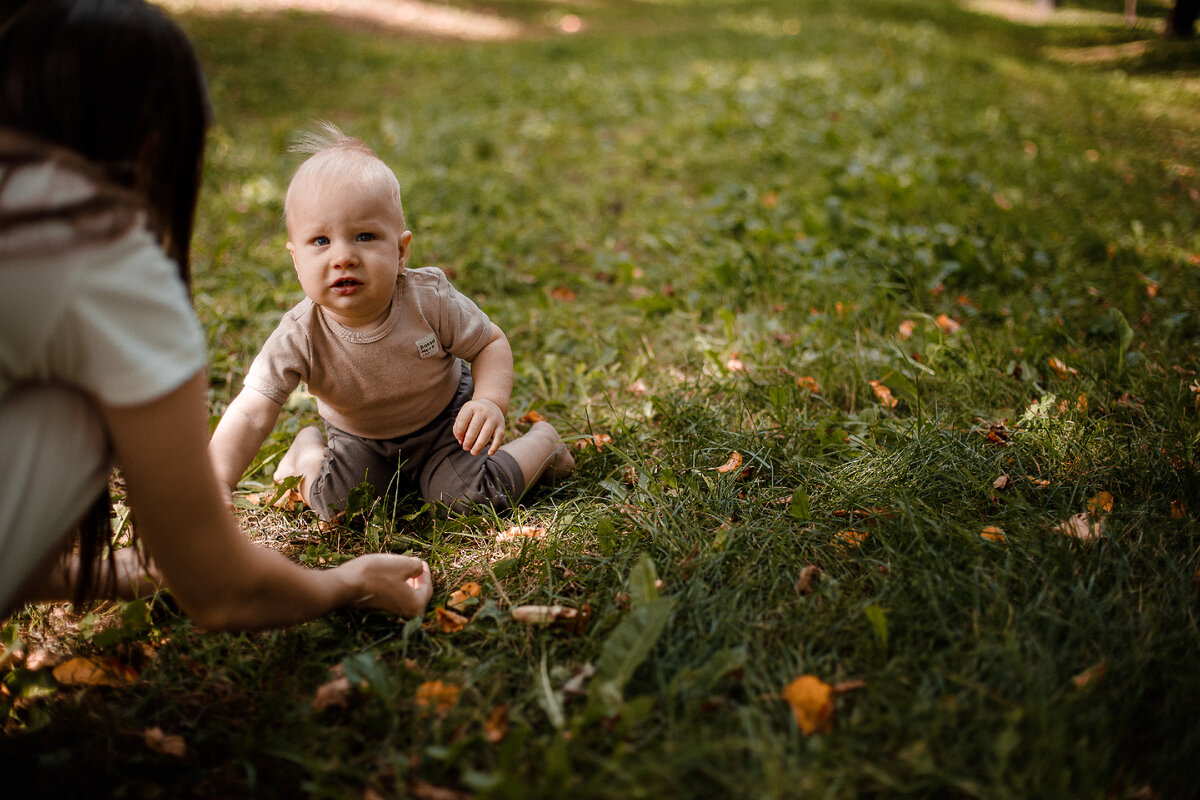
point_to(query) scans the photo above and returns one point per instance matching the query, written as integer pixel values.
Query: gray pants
(430, 460)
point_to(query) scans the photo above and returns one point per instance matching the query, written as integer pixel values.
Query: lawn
(874, 329)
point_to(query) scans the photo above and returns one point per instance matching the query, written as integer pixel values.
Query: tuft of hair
(333, 155)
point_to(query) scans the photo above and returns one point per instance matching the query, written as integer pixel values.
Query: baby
(382, 348)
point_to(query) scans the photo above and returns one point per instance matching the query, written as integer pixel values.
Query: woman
(103, 114)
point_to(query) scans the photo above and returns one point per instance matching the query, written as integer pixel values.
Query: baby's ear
(405, 244)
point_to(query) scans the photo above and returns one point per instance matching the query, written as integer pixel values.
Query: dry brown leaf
(1039, 482)
(906, 329)
(564, 294)
(638, 387)
(845, 687)
(993, 534)
(1061, 369)
(811, 700)
(598, 441)
(334, 693)
(1001, 483)
(165, 744)
(448, 621)
(884, 394)
(948, 324)
(1178, 509)
(437, 696)
(807, 582)
(735, 461)
(423, 790)
(1102, 502)
(532, 416)
(809, 383)
(94, 671)
(517, 532)
(460, 598)
(1092, 676)
(1083, 526)
(495, 727)
(543, 615)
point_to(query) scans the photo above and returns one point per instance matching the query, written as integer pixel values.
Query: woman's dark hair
(117, 82)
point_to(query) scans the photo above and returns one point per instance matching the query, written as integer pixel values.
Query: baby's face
(348, 244)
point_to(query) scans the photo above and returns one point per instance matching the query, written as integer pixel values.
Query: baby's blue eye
(367, 237)
(321, 240)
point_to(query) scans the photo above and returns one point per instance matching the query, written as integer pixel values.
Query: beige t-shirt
(382, 383)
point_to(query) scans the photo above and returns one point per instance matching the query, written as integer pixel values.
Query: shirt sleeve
(282, 363)
(463, 327)
(129, 334)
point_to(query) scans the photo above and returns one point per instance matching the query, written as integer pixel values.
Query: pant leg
(349, 461)
(54, 459)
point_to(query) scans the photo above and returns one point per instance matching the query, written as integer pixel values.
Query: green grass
(781, 183)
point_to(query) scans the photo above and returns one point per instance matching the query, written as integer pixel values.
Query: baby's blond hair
(334, 156)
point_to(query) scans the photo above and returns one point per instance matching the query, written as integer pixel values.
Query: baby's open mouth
(346, 282)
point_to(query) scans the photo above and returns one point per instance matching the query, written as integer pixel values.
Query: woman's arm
(219, 577)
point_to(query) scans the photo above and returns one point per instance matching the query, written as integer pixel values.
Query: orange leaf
(993, 534)
(847, 540)
(495, 727)
(906, 329)
(437, 696)
(166, 744)
(532, 415)
(1092, 676)
(948, 324)
(1101, 502)
(1178, 509)
(97, 671)
(460, 598)
(733, 463)
(1061, 369)
(521, 532)
(563, 293)
(1082, 526)
(811, 700)
(449, 621)
(808, 382)
(884, 394)
(599, 440)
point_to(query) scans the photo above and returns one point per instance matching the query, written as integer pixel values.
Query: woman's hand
(479, 425)
(398, 584)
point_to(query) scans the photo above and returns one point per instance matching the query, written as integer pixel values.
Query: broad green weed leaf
(624, 650)
(606, 535)
(878, 619)
(799, 507)
(643, 581)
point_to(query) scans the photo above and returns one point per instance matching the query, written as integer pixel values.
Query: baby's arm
(243, 428)
(480, 423)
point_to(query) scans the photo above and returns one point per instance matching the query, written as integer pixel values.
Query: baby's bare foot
(307, 441)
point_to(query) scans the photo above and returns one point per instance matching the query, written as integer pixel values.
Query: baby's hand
(480, 424)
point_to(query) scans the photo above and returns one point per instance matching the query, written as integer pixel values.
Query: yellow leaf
(166, 744)
(81, 671)
(735, 461)
(460, 598)
(521, 532)
(848, 540)
(437, 696)
(1101, 502)
(993, 534)
(884, 394)
(449, 621)
(811, 700)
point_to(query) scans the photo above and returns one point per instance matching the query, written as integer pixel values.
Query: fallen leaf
(845, 687)
(1061, 369)
(1039, 482)
(598, 441)
(906, 329)
(811, 700)
(1092, 676)
(1178, 509)
(543, 615)
(884, 394)
(735, 364)
(532, 416)
(809, 383)
(735, 461)
(334, 693)
(165, 744)
(96, 671)
(437, 696)
(1002, 483)
(1082, 403)
(1101, 502)
(847, 540)
(563, 293)
(948, 324)
(638, 387)
(806, 584)
(460, 598)
(424, 790)
(521, 532)
(993, 534)
(495, 727)
(1082, 526)
(448, 621)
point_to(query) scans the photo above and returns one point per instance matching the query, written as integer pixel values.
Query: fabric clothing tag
(428, 346)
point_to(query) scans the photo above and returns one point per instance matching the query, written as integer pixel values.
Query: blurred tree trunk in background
(1181, 21)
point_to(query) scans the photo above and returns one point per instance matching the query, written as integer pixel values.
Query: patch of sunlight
(1027, 12)
(760, 24)
(1100, 54)
(413, 16)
